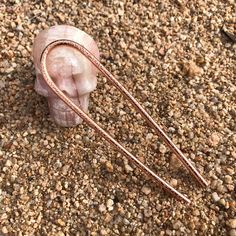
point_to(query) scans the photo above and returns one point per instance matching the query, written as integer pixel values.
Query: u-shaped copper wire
(136, 105)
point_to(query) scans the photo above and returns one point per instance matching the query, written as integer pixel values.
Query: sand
(178, 61)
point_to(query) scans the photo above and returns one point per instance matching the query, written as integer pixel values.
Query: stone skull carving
(72, 72)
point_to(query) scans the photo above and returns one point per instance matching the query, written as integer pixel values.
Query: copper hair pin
(136, 105)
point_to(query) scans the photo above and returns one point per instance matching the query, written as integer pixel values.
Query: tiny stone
(191, 69)
(102, 208)
(103, 232)
(65, 169)
(48, 2)
(8, 163)
(123, 44)
(61, 222)
(214, 139)
(151, 49)
(232, 223)
(2, 84)
(149, 136)
(147, 212)
(4, 230)
(61, 17)
(232, 232)
(4, 216)
(162, 51)
(233, 154)
(230, 171)
(33, 131)
(146, 190)
(108, 218)
(45, 142)
(60, 233)
(10, 34)
(228, 179)
(162, 149)
(221, 188)
(177, 225)
(215, 197)
(58, 164)
(174, 162)
(126, 221)
(110, 203)
(128, 168)
(230, 187)
(122, 112)
(222, 201)
(174, 182)
(58, 186)
(41, 170)
(109, 167)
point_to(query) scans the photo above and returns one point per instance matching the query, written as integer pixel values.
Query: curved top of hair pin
(62, 32)
(103, 133)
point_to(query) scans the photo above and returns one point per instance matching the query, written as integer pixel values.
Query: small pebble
(48, 2)
(41, 170)
(4, 230)
(162, 149)
(102, 208)
(191, 69)
(110, 204)
(177, 225)
(128, 168)
(232, 223)
(60, 233)
(61, 222)
(228, 179)
(174, 162)
(149, 136)
(65, 169)
(103, 232)
(8, 163)
(232, 232)
(147, 212)
(109, 167)
(215, 197)
(58, 186)
(2, 84)
(146, 190)
(126, 221)
(214, 139)
(61, 17)
(174, 182)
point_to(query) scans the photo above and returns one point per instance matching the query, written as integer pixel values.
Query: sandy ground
(175, 59)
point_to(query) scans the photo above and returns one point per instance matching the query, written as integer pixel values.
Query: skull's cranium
(72, 72)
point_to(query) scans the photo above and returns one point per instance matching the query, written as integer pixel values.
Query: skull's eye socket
(85, 83)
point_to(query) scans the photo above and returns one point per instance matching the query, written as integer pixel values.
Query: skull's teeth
(65, 118)
(62, 114)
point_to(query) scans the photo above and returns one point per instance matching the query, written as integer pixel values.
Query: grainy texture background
(172, 56)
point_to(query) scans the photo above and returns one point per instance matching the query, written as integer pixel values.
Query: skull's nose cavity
(67, 87)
